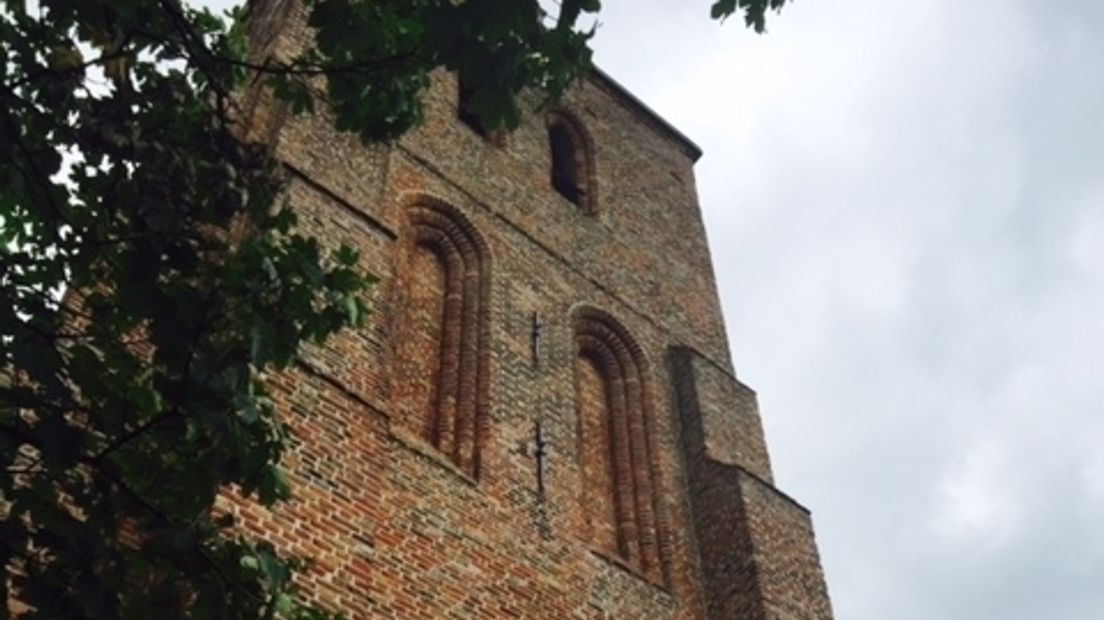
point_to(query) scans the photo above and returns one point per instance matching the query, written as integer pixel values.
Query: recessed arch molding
(616, 444)
(442, 366)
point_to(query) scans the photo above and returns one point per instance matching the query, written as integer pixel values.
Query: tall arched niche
(616, 448)
(439, 387)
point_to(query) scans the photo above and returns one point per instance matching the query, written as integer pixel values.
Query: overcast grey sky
(906, 206)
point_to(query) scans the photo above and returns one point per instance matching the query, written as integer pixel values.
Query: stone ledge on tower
(758, 552)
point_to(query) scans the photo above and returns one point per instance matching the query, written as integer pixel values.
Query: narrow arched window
(463, 107)
(620, 477)
(465, 112)
(440, 384)
(571, 166)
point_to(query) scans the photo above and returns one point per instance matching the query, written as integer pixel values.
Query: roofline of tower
(692, 149)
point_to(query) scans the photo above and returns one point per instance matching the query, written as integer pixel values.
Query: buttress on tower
(540, 418)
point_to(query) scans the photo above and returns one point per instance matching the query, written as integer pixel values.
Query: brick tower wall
(423, 487)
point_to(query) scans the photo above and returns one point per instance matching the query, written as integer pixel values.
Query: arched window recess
(621, 478)
(572, 160)
(440, 385)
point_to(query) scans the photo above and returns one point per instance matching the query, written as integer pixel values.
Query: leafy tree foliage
(754, 11)
(151, 274)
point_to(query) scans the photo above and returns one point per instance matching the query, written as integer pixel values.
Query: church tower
(541, 418)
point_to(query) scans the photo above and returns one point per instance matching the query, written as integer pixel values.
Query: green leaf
(352, 307)
(61, 443)
(146, 399)
(285, 605)
(273, 485)
(347, 256)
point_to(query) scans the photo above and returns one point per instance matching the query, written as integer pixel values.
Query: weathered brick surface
(791, 584)
(758, 554)
(720, 414)
(419, 489)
